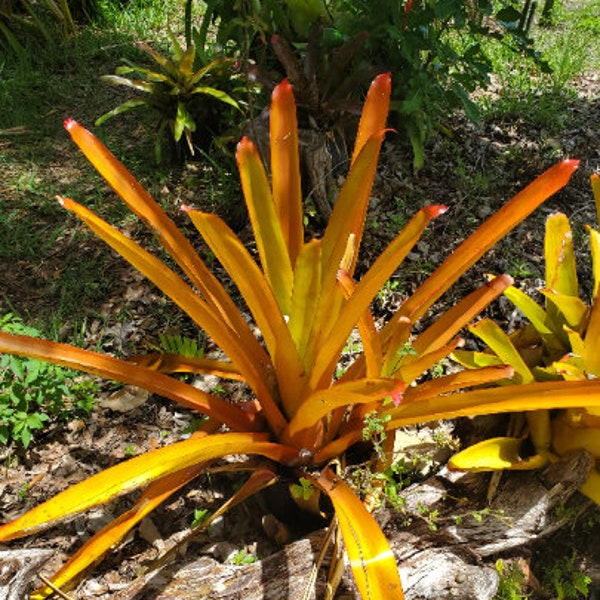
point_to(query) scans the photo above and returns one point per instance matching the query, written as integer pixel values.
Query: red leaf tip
(284, 88)
(435, 210)
(397, 394)
(69, 123)
(383, 79)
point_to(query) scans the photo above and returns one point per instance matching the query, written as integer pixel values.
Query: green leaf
(218, 94)
(183, 122)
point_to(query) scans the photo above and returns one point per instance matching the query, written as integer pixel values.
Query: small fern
(177, 344)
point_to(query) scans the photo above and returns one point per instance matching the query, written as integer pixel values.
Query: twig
(47, 582)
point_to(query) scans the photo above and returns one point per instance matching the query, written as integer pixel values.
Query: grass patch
(570, 47)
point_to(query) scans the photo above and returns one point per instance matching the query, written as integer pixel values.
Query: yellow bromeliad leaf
(547, 325)
(270, 241)
(110, 535)
(591, 344)
(153, 216)
(535, 314)
(285, 168)
(595, 181)
(591, 486)
(567, 437)
(126, 372)
(583, 417)
(570, 309)
(496, 454)
(371, 559)
(495, 339)
(139, 471)
(305, 300)
(595, 252)
(486, 236)
(570, 369)
(561, 270)
(475, 360)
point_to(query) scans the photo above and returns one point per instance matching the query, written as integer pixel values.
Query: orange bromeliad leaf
(246, 354)
(457, 381)
(454, 319)
(366, 328)
(325, 401)
(369, 553)
(110, 535)
(374, 113)
(411, 366)
(139, 471)
(337, 331)
(251, 282)
(157, 221)
(285, 168)
(126, 372)
(514, 398)
(167, 362)
(494, 229)
(349, 212)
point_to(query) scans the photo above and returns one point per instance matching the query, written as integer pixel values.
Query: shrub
(436, 52)
(305, 302)
(33, 392)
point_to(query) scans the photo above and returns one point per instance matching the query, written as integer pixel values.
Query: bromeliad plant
(306, 303)
(179, 91)
(561, 342)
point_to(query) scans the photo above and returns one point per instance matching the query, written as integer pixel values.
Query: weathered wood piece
(17, 569)
(442, 552)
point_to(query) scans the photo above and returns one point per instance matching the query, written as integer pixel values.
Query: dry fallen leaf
(125, 399)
